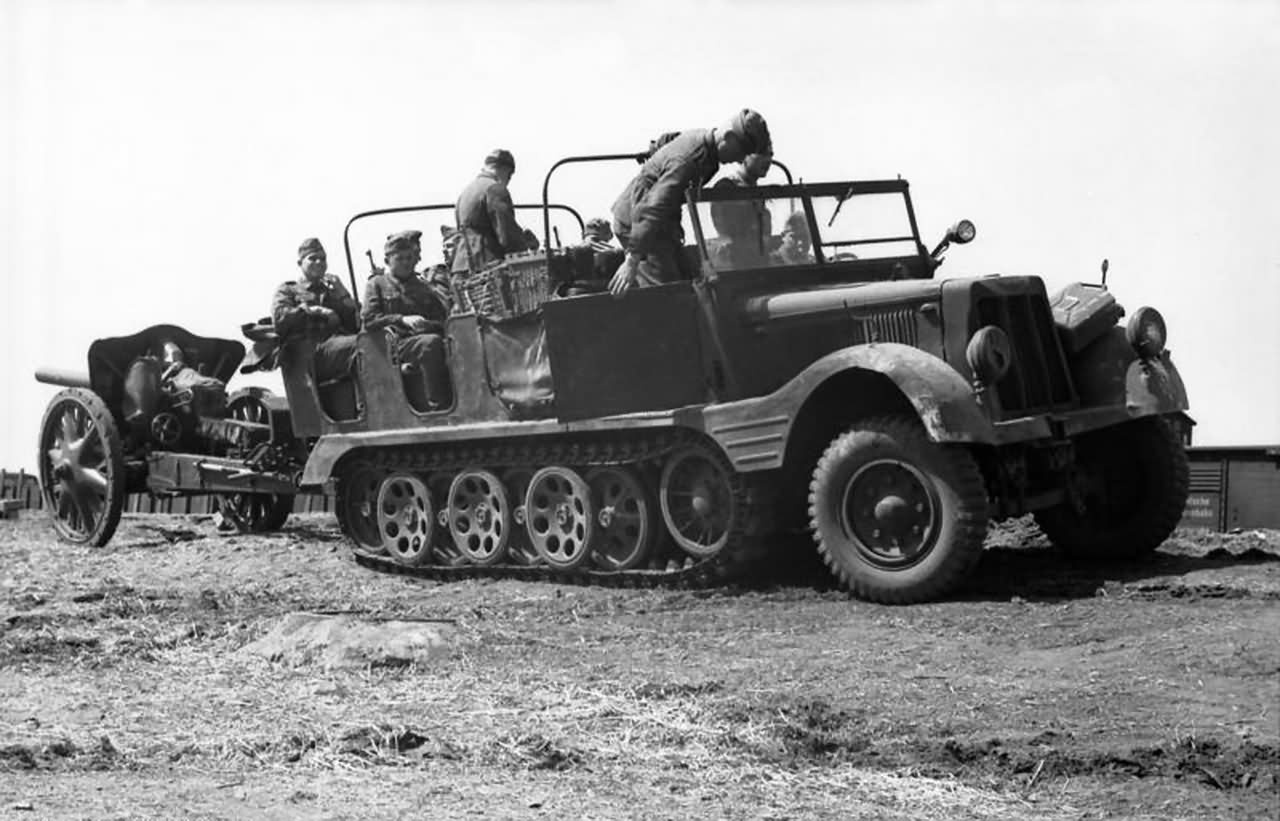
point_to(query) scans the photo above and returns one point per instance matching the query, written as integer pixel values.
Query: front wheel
(1132, 482)
(81, 467)
(897, 518)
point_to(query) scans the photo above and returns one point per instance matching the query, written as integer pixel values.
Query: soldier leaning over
(403, 301)
(318, 305)
(646, 215)
(487, 218)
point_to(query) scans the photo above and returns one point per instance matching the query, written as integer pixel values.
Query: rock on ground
(347, 641)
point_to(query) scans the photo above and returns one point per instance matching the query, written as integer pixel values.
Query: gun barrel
(63, 377)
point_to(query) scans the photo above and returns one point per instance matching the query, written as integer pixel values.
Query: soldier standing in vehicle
(646, 215)
(404, 302)
(487, 218)
(319, 306)
(744, 226)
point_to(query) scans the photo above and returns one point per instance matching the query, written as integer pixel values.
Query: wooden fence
(23, 487)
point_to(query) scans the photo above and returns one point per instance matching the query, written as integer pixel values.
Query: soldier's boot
(415, 387)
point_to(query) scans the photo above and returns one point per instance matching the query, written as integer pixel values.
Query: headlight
(962, 232)
(989, 354)
(1146, 332)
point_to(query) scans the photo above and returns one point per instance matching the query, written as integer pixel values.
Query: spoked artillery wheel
(81, 467)
(625, 517)
(897, 518)
(559, 517)
(698, 503)
(406, 519)
(479, 516)
(253, 512)
(1132, 482)
(356, 506)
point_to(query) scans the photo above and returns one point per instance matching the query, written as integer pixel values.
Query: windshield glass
(767, 226)
(868, 226)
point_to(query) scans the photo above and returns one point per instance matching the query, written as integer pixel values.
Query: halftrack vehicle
(814, 372)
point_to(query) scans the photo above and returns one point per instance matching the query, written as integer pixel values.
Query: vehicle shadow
(1032, 570)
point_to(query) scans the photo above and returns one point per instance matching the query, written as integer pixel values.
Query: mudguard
(754, 432)
(1109, 373)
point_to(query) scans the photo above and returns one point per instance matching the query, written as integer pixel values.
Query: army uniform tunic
(487, 218)
(744, 226)
(337, 346)
(646, 215)
(387, 300)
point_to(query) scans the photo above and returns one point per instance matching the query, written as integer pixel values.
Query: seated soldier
(403, 302)
(598, 234)
(795, 248)
(318, 306)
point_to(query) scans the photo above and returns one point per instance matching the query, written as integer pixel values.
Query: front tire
(898, 518)
(1133, 485)
(81, 467)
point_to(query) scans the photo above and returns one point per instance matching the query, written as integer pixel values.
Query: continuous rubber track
(640, 449)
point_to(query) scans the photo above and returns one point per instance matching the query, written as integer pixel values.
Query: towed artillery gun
(813, 373)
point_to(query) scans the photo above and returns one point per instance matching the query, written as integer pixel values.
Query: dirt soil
(1050, 689)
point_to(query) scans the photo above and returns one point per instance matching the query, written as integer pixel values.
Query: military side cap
(403, 241)
(754, 131)
(310, 245)
(598, 228)
(501, 156)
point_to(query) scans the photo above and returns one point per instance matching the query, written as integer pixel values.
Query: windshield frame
(806, 193)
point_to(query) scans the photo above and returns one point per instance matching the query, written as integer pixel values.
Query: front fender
(754, 432)
(1109, 373)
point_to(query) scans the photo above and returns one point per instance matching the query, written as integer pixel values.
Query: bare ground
(1049, 690)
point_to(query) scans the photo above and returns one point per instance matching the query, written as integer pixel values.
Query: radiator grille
(1038, 380)
(891, 326)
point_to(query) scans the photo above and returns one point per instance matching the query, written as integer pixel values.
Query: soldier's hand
(624, 277)
(416, 324)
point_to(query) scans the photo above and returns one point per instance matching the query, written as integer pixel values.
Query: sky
(162, 160)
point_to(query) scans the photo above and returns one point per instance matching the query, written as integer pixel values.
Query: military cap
(598, 229)
(403, 241)
(310, 245)
(798, 223)
(501, 156)
(754, 131)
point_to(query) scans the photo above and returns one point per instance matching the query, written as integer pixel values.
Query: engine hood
(814, 302)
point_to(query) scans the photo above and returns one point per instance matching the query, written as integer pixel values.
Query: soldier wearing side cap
(319, 306)
(487, 218)
(598, 234)
(406, 303)
(646, 215)
(744, 226)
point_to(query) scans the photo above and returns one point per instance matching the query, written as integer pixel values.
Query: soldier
(486, 217)
(319, 306)
(598, 234)
(796, 242)
(403, 301)
(744, 226)
(646, 215)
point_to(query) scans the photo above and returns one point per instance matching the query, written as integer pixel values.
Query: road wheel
(406, 519)
(81, 467)
(254, 512)
(897, 518)
(559, 517)
(356, 506)
(1132, 482)
(627, 527)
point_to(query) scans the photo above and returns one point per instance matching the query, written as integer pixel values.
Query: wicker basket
(515, 286)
